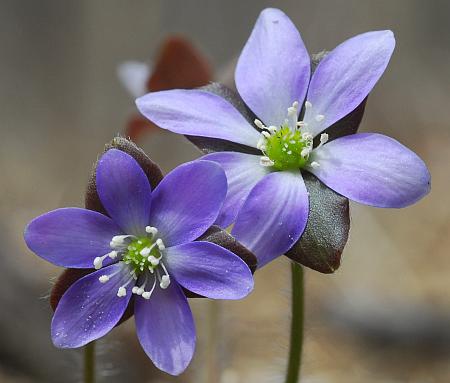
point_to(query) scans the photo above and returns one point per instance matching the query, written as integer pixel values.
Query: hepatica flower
(288, 126)
(145, 248)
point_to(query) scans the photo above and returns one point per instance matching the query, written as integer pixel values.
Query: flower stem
(89, 363)
(296, 341)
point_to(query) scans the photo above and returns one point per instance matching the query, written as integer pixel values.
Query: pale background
(383, 317)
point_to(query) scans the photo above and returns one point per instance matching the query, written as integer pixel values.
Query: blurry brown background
(383, 317)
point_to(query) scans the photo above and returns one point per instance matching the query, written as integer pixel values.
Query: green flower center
(142, 254)
(285, 148)
(288, 146)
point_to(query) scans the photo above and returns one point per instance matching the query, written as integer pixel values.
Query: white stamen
(266, 161)
(301, 124)
(165, 282)
(113, 254)
(121, 292)
(261, 145)
(265, 134)
(308, 105)
(160, 244)
(165, 279)
(272, 129)
(307, 136)
(103, 279)
(289, 152)
(153, 260)
(315, 164)
(305, 151)
(283, 149)
(259, 124)
(319, 117)
(323, 139)
(98, 263)
(119, 240)
(145, 251)
(151, 230)
(148, 294)
(135, 289)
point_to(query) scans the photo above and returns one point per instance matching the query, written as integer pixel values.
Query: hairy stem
(296, 340)
(89, 363)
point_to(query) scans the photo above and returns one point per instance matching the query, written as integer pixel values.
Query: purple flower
(268, 162)
(144, 248)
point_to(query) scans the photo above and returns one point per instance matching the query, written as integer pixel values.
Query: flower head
(289, 128)
(145, 247)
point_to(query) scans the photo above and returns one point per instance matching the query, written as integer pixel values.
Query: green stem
(296, 341)
(89, 363)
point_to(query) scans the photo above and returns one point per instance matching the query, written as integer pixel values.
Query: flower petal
(89, 309)
(243, 171)
(209, 270)
(346, 76)
(71, 237)
(197, 113)
(187, 201)
(274, 215)
(274, 67)
(165, 328)
(372, 169)
(124, 191)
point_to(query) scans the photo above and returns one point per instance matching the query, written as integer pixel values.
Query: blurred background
(384, 316)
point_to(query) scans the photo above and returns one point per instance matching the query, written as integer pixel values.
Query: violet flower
(268, 162)
(144, 248)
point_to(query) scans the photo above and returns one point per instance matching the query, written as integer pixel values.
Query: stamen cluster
(143, 255)
(288, 146)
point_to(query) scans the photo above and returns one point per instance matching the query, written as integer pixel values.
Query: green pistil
(138, 261)
(284, 148)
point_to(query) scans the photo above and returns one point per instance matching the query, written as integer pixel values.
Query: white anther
(295, 105)
(272, 129)
(286, 146)
(113, 254)
(265, 134)
(153, 260)
(289, 152)
(146, 295)
(323, 139)
(319, 117)
(261, 144)
(98, 262)
(266, 161)
(145, 251)
(151, 230)
(314, 165)
(292, 141)
(307, 136)
(305, 151)
(259, 124)
(160, 244)
(103, 279)
(301, 124)
(121, 292)
(283, 149)
(165, 282)
(135, 289)
(292, 111)
(308, 105)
